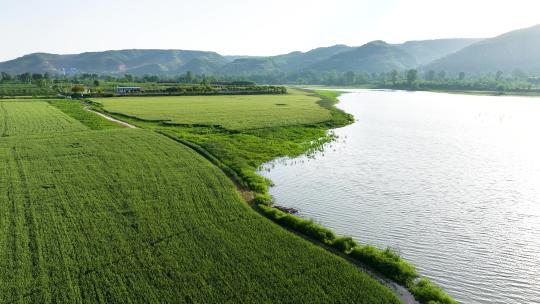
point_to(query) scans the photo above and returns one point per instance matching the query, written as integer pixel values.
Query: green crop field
(130, 216)
(20, 89)
(231, 112)
(30, 117)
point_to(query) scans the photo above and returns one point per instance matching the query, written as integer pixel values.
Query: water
(450, 181)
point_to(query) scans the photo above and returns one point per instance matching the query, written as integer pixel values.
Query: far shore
(459, 92)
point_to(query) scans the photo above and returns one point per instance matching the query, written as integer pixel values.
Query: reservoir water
(452, 182)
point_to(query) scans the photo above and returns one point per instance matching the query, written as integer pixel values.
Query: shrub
(427, 292)
(264, 199)
(386, 262)
(307, 227)
(344, 244)
(255, 182)
(318, 232)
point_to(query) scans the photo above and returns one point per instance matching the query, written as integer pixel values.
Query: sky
(244, 27)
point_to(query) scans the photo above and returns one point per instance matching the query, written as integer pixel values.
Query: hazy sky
(244, 27)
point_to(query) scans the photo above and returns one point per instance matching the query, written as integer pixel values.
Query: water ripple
(451, 182)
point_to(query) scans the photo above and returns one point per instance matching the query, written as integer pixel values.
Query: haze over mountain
(515, 50)
(425, 51)
(518, 49)
(136, 62)
(376, 56)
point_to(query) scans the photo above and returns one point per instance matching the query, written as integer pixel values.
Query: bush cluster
(386, 262)
(307, 227)
(427, 292)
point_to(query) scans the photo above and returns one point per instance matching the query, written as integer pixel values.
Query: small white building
(124, 90)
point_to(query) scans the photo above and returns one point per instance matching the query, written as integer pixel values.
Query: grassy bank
(239, 152)
(386, 262)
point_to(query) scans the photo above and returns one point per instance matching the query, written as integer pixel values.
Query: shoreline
(456, 92)
(406, 290)
(345, 247)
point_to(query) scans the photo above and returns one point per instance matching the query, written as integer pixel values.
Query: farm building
(124, 90)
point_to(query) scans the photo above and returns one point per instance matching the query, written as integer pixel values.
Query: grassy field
(31, 117)
(114, 215)
(244, 151)
(230, 112)
(20, 89)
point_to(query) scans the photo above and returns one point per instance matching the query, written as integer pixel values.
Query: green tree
(430, 76)
(349, 77)
(78, 88)
(96, 83)
(461, 76)
(5, 76)
(498, 76)
(189, 77)
(412, 76)
(25, 77)
(394, 77)
(441, 75)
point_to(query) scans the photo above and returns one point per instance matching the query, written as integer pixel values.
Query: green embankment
(122, 215)
(240, 152)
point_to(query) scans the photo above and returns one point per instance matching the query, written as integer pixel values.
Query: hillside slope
(514, 50)
(426, 51)
(376, 56)
(117, 62)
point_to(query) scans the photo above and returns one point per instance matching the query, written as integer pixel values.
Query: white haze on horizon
(242, 27)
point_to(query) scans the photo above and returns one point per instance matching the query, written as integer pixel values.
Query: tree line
(404, 79)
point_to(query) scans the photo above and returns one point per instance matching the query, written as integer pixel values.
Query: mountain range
(514, 50)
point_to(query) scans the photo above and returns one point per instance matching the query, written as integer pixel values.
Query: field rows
(119, 216)
(34, 117)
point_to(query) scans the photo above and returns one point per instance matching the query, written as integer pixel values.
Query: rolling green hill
(514, 50)
(118, 62)
(376, 56)
(290, 63)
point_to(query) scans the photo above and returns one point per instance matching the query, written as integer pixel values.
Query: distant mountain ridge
(518, 49)
(426, 51)
(117, 62)
(515, 50)
(376, 56)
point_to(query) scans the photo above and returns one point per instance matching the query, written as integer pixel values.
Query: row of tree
(516, 80)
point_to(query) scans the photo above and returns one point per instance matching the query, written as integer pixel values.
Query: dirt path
(122, 123)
